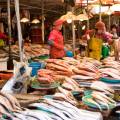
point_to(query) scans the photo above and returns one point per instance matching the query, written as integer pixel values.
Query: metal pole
(43, 27)
(19, 29)
(73, 32)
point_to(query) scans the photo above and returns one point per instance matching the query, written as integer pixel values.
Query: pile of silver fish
(110, 69)
(46, 109)
(8, 104)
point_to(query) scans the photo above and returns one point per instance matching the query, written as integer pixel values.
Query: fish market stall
(70, 88)
(79, 84)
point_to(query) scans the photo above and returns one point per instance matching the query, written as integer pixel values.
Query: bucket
(69, 54)
(35, 67)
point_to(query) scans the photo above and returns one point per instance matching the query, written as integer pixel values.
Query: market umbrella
(69, 16)
(82, 17)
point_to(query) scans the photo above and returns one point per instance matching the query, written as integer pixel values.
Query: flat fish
(85, 115)
(20, 116)
(68, 112)
(50, 109)
(12, 99)
(7, 103)
(81, 77)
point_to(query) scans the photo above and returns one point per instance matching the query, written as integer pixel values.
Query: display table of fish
(44, 109)
(101, 96)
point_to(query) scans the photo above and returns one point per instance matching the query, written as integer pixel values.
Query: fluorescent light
(24, 20)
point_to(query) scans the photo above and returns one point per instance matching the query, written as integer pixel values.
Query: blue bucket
(35, 67)
(69, 54)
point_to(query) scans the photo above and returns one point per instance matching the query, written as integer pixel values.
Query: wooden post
(10, 60)
(100, 15)
(43, 27)
(88, 22)
(19, 29)
(73, 32)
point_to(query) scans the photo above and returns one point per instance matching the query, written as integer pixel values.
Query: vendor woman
(55, 41)
(96, 39)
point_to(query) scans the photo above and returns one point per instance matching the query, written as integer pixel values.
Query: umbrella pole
(43, 27)
(19, 30)
(73, 32)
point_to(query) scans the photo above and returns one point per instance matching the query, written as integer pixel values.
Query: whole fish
(103, 104)
(45, 107)
(83, 72)
(95, 103)
(12, 100)
(115, 71)
(113, 75)
(101, 86)
(7, 103)
(68, 112)
(81, 77)
(87, 114)
(20, 116)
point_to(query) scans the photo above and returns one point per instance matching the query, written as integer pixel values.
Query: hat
(100, 25)
(58, 22)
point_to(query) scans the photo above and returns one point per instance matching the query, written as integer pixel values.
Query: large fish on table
(14, 102)
(84, 114)
(45, 107)
(111, 74)
(101, 86)
(112, 70)
(85, 73)
(82, 77)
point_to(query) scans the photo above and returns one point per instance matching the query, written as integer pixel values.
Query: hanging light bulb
(83, 27)
(24, 20)
(35, 21)
(109, 11)
(81, 20)
(69, 20)
(74, 26)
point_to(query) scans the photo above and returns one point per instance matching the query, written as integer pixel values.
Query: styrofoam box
(3, 65)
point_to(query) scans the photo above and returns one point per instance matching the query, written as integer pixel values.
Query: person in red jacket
(56, 41)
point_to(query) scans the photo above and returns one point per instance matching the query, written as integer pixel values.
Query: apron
(95, 48)
(2, 43)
